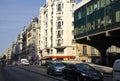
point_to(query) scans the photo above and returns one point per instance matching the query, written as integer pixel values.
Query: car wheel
(64, 76)
(48, 72)
(53, 73)
(78, 78)
(101, 80)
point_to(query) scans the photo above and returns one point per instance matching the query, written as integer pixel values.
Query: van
(116, 70)
(24, 62)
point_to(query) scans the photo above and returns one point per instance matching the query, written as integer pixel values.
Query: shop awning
(47, 57)
(62, 56)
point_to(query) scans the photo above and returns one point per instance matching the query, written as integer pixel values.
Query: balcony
(59, 36)
(58, 44)
(59, 9)
(59, 18)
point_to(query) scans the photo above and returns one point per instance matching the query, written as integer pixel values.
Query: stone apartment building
(86, 53)
(31, 38)
(56, 30)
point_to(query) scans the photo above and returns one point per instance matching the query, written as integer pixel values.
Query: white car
(116, 70)
(24, 62)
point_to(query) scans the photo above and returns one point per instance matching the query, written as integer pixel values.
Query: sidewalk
(104, 69)
(107, 71)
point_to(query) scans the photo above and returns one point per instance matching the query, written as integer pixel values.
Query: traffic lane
(105, 70)
(16, 74)
(41, 69)
(107, 76)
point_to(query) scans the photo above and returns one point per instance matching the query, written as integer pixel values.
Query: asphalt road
(42, 70)
(11, 73)
(31, 73)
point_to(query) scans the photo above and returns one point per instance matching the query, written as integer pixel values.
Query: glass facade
(96, 16)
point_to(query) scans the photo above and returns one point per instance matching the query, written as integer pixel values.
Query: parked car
(24, 62)
(116, 70)
(47, 63)
(81, 72)
(55, 68)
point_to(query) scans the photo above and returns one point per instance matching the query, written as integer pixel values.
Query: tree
(4, 57)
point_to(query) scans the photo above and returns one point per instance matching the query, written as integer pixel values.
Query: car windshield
(84, 67)
(24, 61)
(58, 64)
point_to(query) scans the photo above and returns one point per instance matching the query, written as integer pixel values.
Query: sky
(14, 15)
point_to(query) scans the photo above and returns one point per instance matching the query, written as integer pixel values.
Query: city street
(11, 73)
(32, 73)
(60, 40)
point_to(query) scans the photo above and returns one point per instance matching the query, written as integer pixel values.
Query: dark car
(55, 68)
(81, 72)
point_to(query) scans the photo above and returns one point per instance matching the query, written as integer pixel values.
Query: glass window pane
(95, 6)
(118, 16)
(102, 3)
(79, 15)
(84, 50)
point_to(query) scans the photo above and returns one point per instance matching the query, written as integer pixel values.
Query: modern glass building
(96, 16)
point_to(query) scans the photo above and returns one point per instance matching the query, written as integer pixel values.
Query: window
(109, 1)
(102, 3)
(73, 23)
(73, 6)
(118, 16)
(34, 30)
(29, 35)
(95, 6)
(79, 15)
(59, 42)
(51, 51)
(59, 34)
(91, 26)
(59, 7)
(73, 41)
(62, 23)
(84, 50)
(59, 24)
(80, 30)
(88, 10)
(102, 22)
(92, 8)
(88, 26)
(98, 4)
(108, 20)
(92, 50)
(72, 1)
(60, 51)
